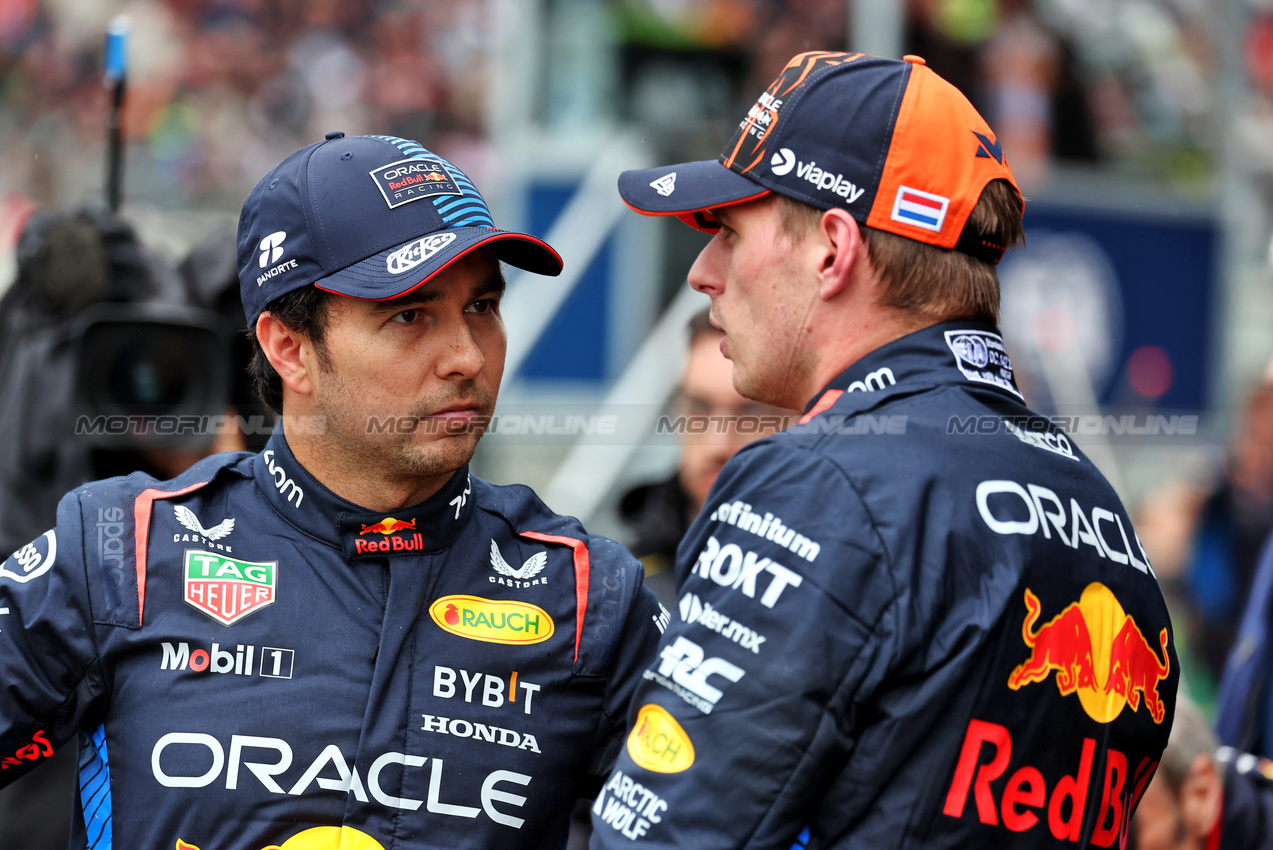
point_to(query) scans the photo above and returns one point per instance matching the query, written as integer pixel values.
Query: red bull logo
(1035, 798)
(318, 838)
(388, 525)
(1098, 653)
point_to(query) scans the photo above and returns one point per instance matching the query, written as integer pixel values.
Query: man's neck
(850, 340)
(357, 480)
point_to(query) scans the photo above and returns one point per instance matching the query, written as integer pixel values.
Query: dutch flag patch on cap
(922, 209)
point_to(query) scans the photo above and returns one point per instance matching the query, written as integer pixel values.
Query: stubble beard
(411, 446)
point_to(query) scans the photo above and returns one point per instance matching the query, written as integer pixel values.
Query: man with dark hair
(719, 422)
(932, 623)
(406, 656)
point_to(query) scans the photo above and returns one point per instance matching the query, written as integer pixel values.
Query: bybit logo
(272, 248)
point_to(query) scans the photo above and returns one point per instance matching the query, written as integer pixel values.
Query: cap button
(913, 59)
(339, 135)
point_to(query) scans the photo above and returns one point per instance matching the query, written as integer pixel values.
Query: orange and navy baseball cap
(888, 140)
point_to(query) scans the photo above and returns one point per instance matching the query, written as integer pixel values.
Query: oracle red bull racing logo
(1097, 652)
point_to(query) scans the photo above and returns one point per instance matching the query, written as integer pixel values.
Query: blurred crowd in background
(1162, 93)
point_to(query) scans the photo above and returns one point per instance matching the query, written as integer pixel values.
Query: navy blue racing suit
(250, 659)
(918, 618)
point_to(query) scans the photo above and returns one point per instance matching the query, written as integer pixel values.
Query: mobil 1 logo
(272, 662)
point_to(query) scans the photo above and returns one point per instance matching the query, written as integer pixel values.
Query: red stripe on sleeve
(141, 525)
(581, 576)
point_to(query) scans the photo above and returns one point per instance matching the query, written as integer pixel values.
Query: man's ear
(1201, 796)
(843, 248)
(290, 352)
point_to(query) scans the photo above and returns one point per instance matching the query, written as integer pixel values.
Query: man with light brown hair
(920, 617)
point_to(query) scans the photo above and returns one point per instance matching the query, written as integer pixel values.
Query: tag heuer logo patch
(227, 589)
(412, 179)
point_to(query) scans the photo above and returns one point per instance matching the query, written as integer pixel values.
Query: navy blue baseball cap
(369, 217)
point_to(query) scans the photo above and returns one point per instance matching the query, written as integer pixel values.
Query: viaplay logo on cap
(412, 179)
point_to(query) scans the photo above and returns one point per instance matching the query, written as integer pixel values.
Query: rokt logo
(1098, 652)
(271, 248)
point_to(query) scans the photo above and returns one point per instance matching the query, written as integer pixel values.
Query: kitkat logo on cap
(922, 209)
(408, 257)
(412, 179)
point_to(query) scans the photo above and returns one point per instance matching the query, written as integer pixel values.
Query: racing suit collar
(314, 510)
(958, 352)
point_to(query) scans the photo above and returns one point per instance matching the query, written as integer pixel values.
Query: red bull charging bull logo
(318, 838)
(388, 525)
(1098, 652)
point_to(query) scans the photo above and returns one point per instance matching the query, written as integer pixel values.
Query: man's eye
(407, 316)
(482, 305)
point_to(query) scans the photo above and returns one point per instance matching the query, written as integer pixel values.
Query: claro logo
(493, 621)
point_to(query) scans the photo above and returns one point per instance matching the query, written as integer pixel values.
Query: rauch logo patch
(658, 743)
(493, 621)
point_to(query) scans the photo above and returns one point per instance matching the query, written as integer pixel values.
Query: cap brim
(398, 270)
(686, 190)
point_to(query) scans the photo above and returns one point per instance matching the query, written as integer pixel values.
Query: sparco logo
(270, 759)
(285, 485)
(275, 663)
